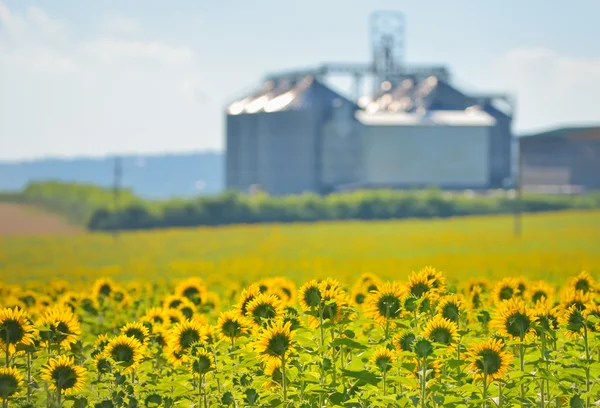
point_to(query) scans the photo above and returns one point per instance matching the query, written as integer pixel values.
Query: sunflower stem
(59, 396)
(28, 377)
(423, 382)
(543, 351)
(587, 363)
(7, 346)
(283, 379)
(522, 358)
(499, 395)
(384, 383)
(485, 389)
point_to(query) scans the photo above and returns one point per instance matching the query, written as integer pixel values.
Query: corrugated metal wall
(241, 164)
(419, 156)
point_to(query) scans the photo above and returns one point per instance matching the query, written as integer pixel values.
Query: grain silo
(274, 137)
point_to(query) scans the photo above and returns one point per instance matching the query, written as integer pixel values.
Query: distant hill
(149, 176)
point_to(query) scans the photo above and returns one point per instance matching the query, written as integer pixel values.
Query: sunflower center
(202, 364)
(287, 292)
(123, 354)
(506, 293)
(135, 333)
(389, 306)
(231, 328)
(105, 289)
(371, 287)
(582, 284)
(8, 385)
(264, 311)
(278, 345)
(330, 311)
(188, 337)
(12, 331)
(407, 341)
(441, 335)
(383, 363)
(539, 295)
(187, 312)
(191, 292)
(64, 377)
(173, 304)
(359, 298)
(451, 312)
(575, 322)
(419, 289)
(489, 361)
(312, 296)
(518, 325)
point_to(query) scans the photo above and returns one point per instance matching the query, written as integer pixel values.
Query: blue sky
(94, 78)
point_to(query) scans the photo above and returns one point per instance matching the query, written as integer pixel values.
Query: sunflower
(522, 286)
(366, 283)
(547, 317)
(333, 306)
(264, 308)
(423, 347)
(404, 340)
(310, 295)
(137, 331)
(539, 291)
(101, 342)
(488, 358)
(383, 358)
(173, 301)
(58, 326)
(155, 316)
(273, 370)
(571, 297)
(230, 325)
(437, 278)
(246, 297)
(63, 375)
(385, 303)
(203, 362)
(284, 288)
(10, 381)
(103, 288)
(187, 308)
(481, 283)
(15, 329)
(174, 316)
(583, 282)
(211, 303)
(420, 283)
(451, 307)
(441, 330)
(574, 321)
(506, 289)
(330, 284)
(290, 314)
(192, 288)
(125, 351)
(102, 364)
(514, 319)
(185, 334)
(275, 342)
(592, 309)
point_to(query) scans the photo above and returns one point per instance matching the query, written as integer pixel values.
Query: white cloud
(122, 25)
(112, 50)
(551, 89)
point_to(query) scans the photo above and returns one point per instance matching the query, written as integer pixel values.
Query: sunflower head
(441, 331)
(291, 315)
(284, 288)
(11, 380)
(202, 362)
(383, 358)
(174, 316)
(192, 288)
(154, 317)
(592, 309)
(451, 307)
(422, 347)
(275, 341)
(420, 283)
(138, 331)
(577, 298)
(573, 320)
(264, 308)
(540, 291)
(583, 282)
(102, 364)
(366, 283)
(231, 325)
(273, 370)
(546, 316)
(404, 340)
(246, 297)
(59, 326)
(481, 283)
(437, 278)
(514, 319)
(310, 295)
(385, 303)
(174, 301)
(15, 328)
(63, 375)
(125, 351)
(505, 289)
(103, 288)
(186, 334)
(488, 359)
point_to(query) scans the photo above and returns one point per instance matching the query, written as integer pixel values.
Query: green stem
(485, 389)
(423, 382)
(522, 358)
(283, 379)
(7, 346)
(387, 329)
(59, 396)
(384, 383)
(587, 364)
(499, 395)
(543, 351)
(28, 377)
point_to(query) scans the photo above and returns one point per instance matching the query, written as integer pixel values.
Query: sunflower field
(319, 315)
(378, 343)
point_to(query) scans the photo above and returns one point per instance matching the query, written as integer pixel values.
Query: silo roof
(274, 97)
(468, 117)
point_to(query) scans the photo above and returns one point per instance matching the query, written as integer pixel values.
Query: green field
(552, 246)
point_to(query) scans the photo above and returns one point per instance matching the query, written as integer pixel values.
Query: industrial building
(413, 128)
(565, 160)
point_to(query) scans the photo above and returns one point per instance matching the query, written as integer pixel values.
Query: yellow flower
(451, 307)
(59, 326)
(310, 295)
(155, 316)
(488, 358)
(383, 358)
(421, 283)
(10, 381)
(203, 362)
(546, 316)
(404, 340)
(192, 288)
(539, 291)
(506, 289)
(15, 328)
(514, 320)
(137, 331)
(230, 325)
(275, 342)
(63, 375)
(264, 308)
(578, 298)
(437, 278)
(103, 288)
(442, 331)
(246, 297)
(125, 351)
(366, 284)
(185, 334)
(174, 316)
(583, 282)
(385, 303)
(174, 301)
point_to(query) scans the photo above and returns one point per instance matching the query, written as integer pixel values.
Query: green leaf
(348, 343)
(363, 375)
